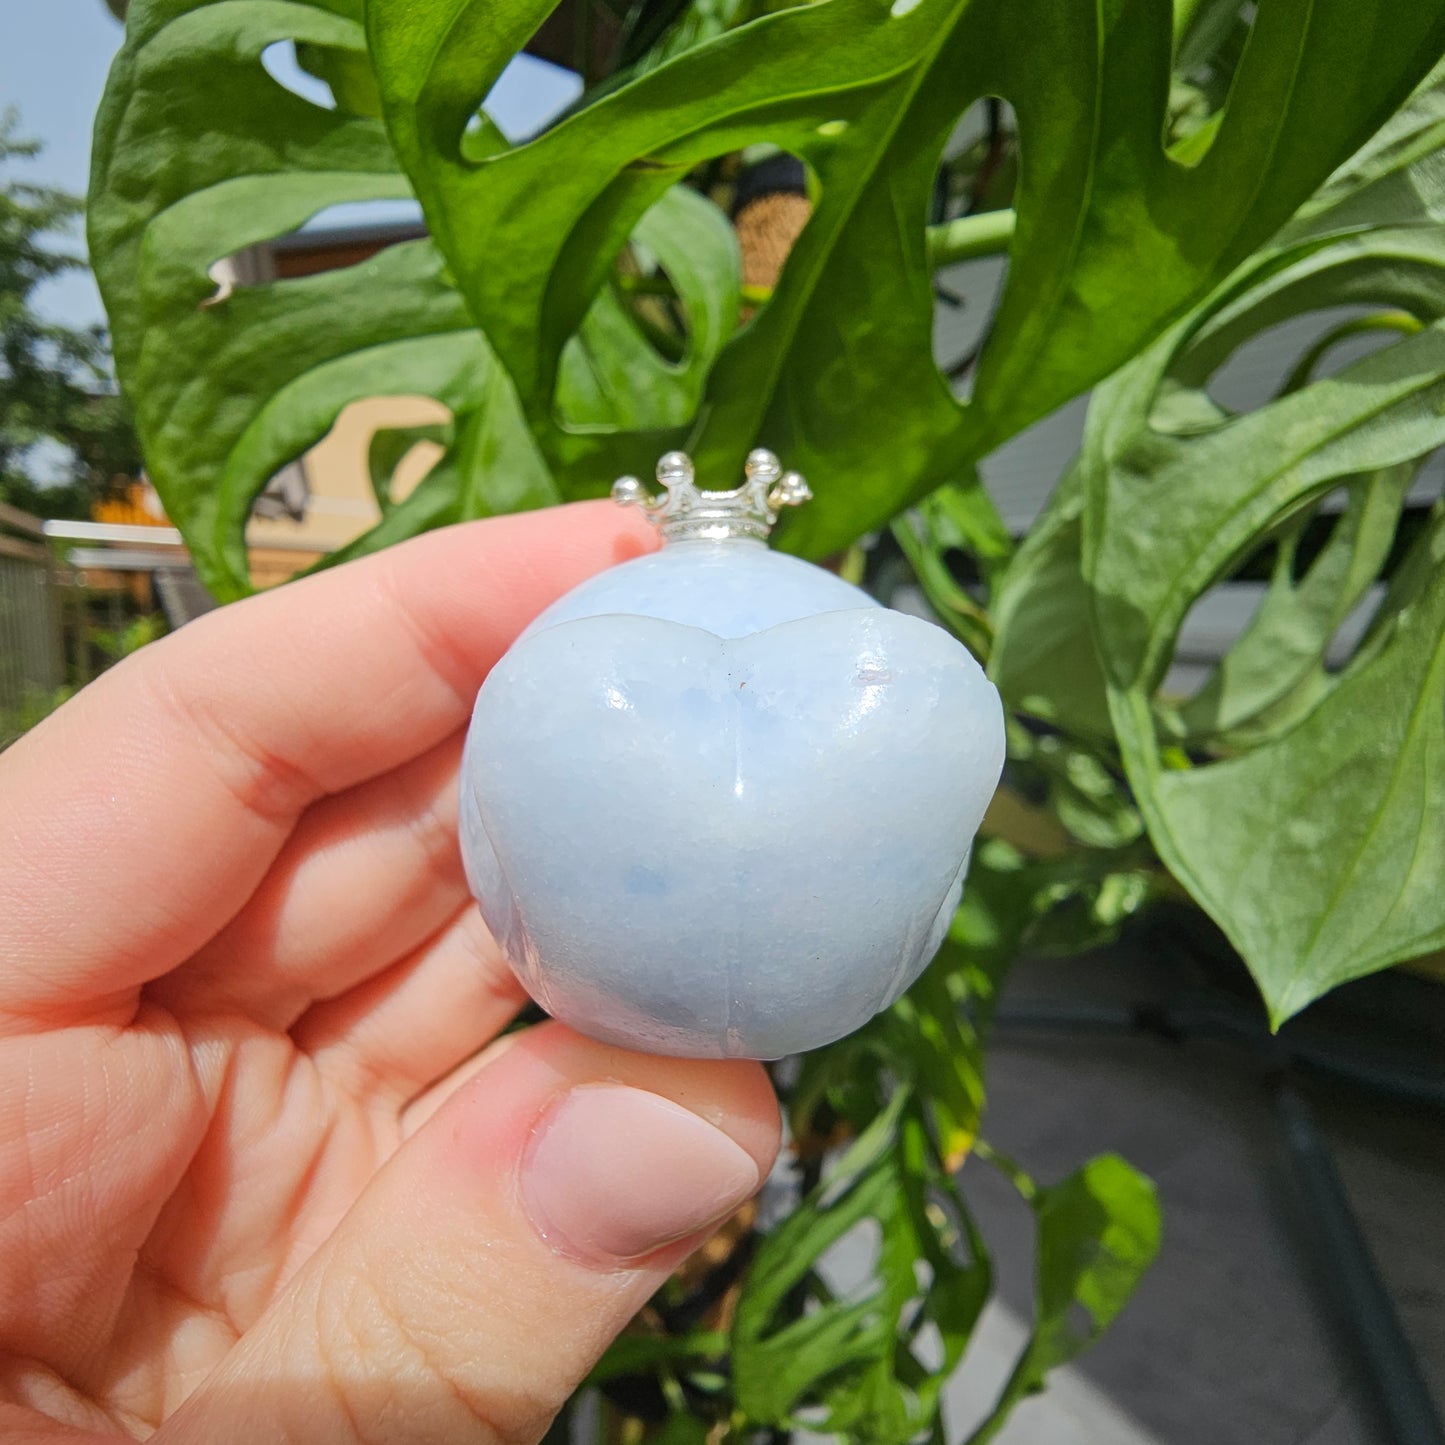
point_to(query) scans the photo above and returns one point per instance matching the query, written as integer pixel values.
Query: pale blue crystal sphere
(717, 802)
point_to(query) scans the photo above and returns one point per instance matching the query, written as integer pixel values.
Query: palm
(240, 1118)
(228, 1114)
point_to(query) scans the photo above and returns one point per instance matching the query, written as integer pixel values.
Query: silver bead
(627, 492)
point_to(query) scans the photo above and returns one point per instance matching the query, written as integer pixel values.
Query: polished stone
(717, 802)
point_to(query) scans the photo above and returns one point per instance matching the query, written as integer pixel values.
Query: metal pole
(1367, 1313)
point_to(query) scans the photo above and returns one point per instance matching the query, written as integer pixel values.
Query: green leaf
(1395, 175)
(389, 447)
(911, 1082)
(836, 372)
(1087, 798)
(635, 1353)
(855, 1360)
(611, 375)
(963, 519)
(1098, 1232)
(1319, 847)
(777, 1364)
(1320, 852)
(230, 385)
(1275, 670)
(681, 1430)
(1044, 661)
(200, 154)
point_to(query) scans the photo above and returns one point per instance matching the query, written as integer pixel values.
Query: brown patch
(767, 229)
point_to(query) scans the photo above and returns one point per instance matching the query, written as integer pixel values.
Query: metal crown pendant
(685, 512)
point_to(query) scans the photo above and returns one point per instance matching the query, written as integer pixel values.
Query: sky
(54, 55)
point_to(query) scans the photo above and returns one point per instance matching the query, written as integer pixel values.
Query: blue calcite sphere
(716, 802)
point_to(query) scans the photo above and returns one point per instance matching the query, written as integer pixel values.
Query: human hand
(257, 1183)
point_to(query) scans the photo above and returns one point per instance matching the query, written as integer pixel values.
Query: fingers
(154, 802)
(20, 1426)
(398, 1033)
(490, 1262)
(365, 878)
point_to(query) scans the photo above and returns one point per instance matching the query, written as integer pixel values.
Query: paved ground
(1232, 1337)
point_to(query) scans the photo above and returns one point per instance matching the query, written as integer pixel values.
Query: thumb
(486, 1267)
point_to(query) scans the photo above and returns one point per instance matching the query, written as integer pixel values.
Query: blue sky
(54, 55)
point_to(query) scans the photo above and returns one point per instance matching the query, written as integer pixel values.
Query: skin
(258, 1165)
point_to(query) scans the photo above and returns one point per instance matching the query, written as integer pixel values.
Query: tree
(66, 437)
(1167, 181)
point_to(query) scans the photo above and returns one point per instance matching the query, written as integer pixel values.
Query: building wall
(340, 504)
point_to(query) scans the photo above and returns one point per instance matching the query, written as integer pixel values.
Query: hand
(257, 1182)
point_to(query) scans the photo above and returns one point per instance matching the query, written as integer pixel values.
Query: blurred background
(89, 566)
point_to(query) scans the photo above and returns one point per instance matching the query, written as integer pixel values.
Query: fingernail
(613, 1173)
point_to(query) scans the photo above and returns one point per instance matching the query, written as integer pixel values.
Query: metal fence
(32, 645)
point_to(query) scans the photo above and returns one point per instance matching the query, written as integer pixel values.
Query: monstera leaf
(201, 154)
(836, 372)
(1302, 804)
(508, 313)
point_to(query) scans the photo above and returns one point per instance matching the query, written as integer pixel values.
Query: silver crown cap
(684, 512)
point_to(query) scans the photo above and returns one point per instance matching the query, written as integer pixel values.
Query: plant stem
(986, 234)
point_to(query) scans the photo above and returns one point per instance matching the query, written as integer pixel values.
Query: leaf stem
(1025, 1186)
(988, 233)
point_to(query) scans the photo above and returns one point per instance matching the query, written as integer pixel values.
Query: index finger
(141, 816)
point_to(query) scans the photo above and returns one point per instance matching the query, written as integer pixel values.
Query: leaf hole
(281, 64)
(1299, 350)
(1258, 648)
(375, 453)
(661, 310)
(972, 195)
(1207, 57)
(1313, 534)
(1215, 620)
(771, 203)
(1357, 630)
(531, 94)
(657, 304)
(1347, 637)
(701, 264)
(927, 1347)
(336, 238)
(849, 1266)
(345, 235)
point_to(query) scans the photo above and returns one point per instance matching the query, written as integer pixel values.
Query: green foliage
(1169, 182)
(229, 389)
(34, 707)
(1300, 804)
(55, 388)
(116, 643)
(1098, 1231)
(107, 645)
(819, 1343)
